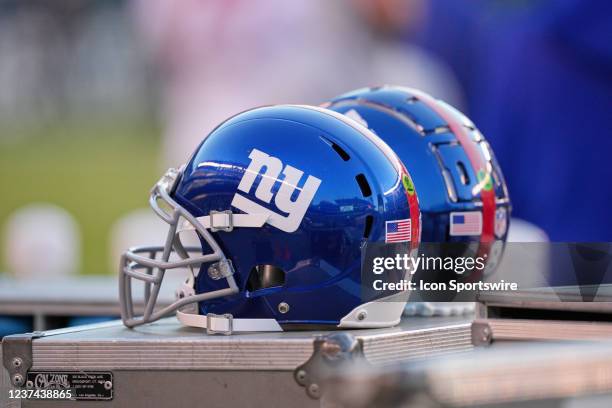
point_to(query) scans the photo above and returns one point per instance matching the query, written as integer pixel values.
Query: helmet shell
(359, 188)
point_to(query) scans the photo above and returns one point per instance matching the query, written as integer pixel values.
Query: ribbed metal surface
(522, 329)
(252, 355)
(530, 373)
(168, 346)
(515, 373)
(386, 349)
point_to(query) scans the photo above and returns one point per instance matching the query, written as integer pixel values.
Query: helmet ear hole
(265, 276)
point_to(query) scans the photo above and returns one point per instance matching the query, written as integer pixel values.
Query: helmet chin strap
(225, 324)
(226, 221)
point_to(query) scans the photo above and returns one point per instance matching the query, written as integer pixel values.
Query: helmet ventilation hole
(369, 220)
(465, 179)
(363, 185)
(341, 152)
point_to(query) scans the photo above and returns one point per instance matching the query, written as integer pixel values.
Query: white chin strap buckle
(219, 324)
(222, 221)
(226, 221)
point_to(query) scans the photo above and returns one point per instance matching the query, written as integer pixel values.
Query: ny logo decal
(295, 210)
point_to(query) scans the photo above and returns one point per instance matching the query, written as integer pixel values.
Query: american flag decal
(398, 231)
(466, 223)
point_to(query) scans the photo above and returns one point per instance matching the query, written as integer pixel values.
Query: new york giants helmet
(462, 193)
(283, 200)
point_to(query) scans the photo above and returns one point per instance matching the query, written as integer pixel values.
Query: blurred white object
(398, 63)
(523, 231)
(141, 227)
(429, 309)
(42, 240)
(136, 228)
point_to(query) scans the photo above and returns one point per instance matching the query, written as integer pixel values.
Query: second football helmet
(462, 193)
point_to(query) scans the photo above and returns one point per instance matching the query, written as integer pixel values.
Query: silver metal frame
(132, 261)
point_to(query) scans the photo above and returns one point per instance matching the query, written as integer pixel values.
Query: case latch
(17, 356)
(331, 352)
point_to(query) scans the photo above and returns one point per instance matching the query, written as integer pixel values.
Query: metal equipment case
(166, 364)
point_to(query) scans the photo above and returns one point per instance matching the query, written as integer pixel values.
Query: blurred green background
(95, 172)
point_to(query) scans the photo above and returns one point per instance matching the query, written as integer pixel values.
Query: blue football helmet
(462, 194)
(283, 200)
